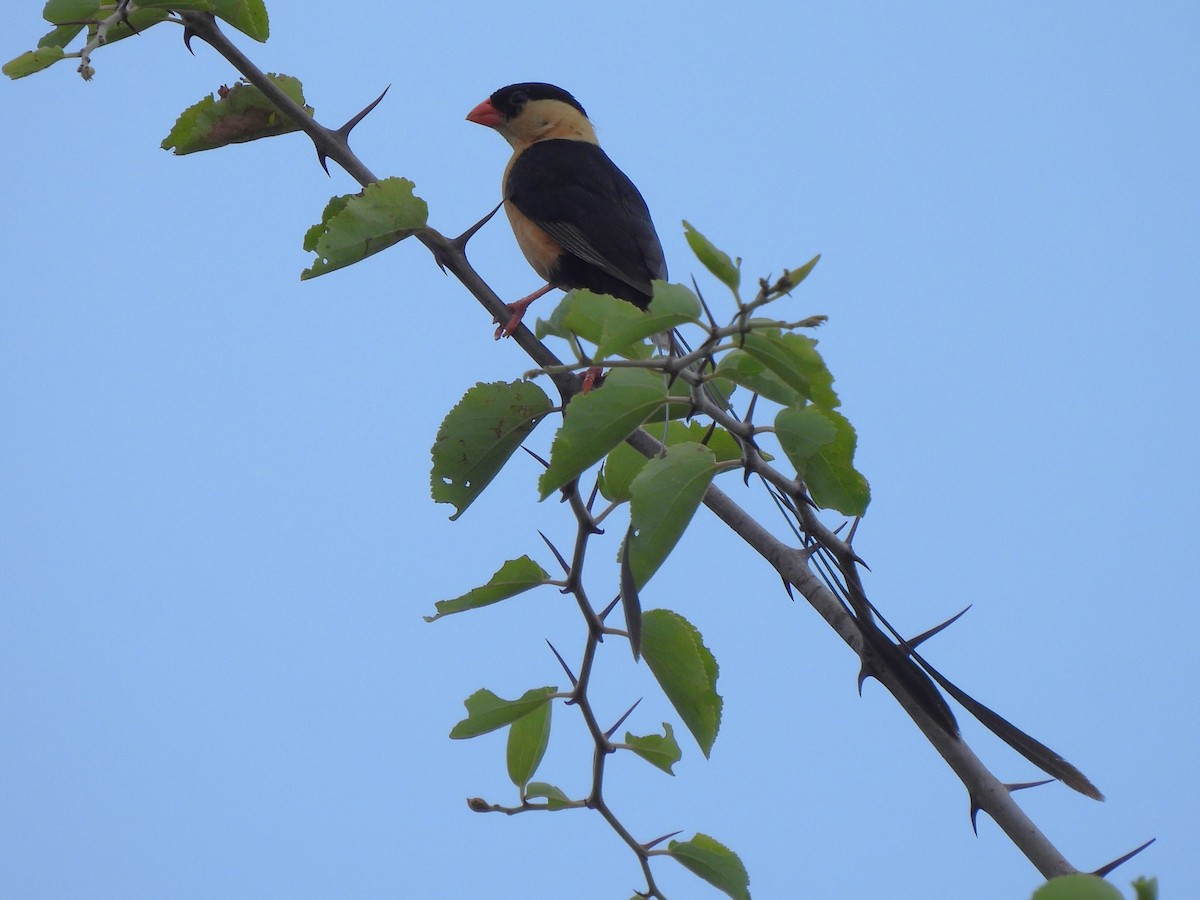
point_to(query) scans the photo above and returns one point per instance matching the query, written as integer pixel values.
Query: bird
(578, 219)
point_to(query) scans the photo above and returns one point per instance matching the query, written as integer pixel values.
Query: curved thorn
(926, 635)
(345, 130)
(460, 242)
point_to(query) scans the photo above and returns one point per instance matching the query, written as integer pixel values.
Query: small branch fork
(836, 593)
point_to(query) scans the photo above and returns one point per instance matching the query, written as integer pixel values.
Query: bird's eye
(518, 99)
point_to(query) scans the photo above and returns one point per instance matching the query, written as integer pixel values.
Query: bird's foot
(517, 311)
(591, 378)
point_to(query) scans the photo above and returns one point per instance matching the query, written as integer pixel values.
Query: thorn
(838, 530)
(1022, 785)
(345, 130)
(1104, 870)
(1019, 786)
(926, 635)
(864, 672)
(188, 34)
(712, 429)
(703, 305)
(975, 807)
(750, 409)
(562, 562)
(613, 605)
(592, 498)
(461, 241)
(562, 662)
(853, 529)
(617, 724)
(649, 845)
(787, 586)
(535, 456)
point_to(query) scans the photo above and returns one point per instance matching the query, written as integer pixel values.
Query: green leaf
(716, 261)
(794, 360)
(624, 463)
(664, 498)
(247, 16)
(741, 368)
(597, 421)
(487, 712)
(555, 798)
(514, 577)
(234, 116)
(60, 36)
(356, 226)
(672, 305)
(715, 863)
(660, 750)
(528, 738)
(1146, 888)
(820, 443)
(478, 436)
(56, 11)
(1077, 887)
(686, 671)
(590, 316)
(32, 61)
(136, 24)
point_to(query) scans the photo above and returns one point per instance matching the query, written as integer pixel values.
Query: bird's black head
(509, 101)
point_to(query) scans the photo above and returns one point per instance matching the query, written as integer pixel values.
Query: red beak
(485, 114)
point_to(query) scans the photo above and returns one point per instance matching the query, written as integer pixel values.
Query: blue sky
(216, 537)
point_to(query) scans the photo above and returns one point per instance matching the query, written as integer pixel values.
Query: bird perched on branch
(578, 219)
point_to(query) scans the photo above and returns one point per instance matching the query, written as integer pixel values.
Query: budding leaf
(555, 798)
(716, 261)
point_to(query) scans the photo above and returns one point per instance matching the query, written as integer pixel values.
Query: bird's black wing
(578, 196)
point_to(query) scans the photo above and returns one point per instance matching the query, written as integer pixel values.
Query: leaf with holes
(478, 436)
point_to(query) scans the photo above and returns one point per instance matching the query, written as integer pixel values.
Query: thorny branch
(835, 593)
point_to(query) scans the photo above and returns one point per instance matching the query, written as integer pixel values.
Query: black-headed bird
(578, 219)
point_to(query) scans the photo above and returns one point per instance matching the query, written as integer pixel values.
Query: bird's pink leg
(518, 311)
